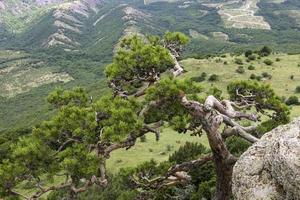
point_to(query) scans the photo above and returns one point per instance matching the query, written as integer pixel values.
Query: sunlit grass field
(159, 151)
(281, 72)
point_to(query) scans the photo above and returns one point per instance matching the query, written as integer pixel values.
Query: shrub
(206, 190)
(265, 51)
(218, 60)
(248, 53)
(199, 78)
(266, 75)
(292, 100)
(258, 78)
(251, 67)
(215, 92)
(237, 145)
(252, 57)
(268, 62)
(298, 89)
(213, 77)
(238, 61)
(240, 70)
(143, 138)
(277, 59)
(225, 63)
(189, 151)
(292, 77)
(253, 76)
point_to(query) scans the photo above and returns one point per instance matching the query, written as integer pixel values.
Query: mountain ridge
(77, 39)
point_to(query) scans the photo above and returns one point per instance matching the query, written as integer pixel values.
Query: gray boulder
(270, 169)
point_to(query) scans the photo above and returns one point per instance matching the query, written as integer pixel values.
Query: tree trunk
(224, 176)
(223, 159)
(211, 122)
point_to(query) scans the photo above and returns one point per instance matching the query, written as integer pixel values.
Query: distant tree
(266, 75)
(248, 53)
(213, 77)
(240, 70)
(297, 90)
(238, 61)
(292, 100)
(265, 51)
(199, 78)
(251, 57)
(268, 62)
(253, 76)
(251, 67)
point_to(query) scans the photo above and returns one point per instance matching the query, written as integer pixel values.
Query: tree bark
(223, 159)
(224, 171)
(224, 162)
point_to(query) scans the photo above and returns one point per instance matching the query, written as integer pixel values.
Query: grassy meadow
(281, 72)
(159, 151)
(283, 68)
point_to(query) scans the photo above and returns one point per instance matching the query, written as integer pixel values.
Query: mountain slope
(75, 39)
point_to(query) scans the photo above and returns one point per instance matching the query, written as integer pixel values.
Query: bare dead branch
(52, 188)
(63, 145)
(131, 140)
(177, 70)
(250, 96)
(187, 166)
(238, 131)
(226, 109)
(177, 174)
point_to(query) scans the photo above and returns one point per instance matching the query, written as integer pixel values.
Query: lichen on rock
(270, 169)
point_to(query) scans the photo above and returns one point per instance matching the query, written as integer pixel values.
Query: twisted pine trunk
(223, 159)
(224, 163)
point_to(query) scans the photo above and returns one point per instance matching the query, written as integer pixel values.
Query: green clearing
(159, 151)
(281, 72)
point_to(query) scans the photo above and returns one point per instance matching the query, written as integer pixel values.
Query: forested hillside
(70, 42)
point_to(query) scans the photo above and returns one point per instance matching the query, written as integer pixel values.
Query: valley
(68, 43)
(19, 74)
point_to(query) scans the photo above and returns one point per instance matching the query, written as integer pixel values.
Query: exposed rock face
(270, 169)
